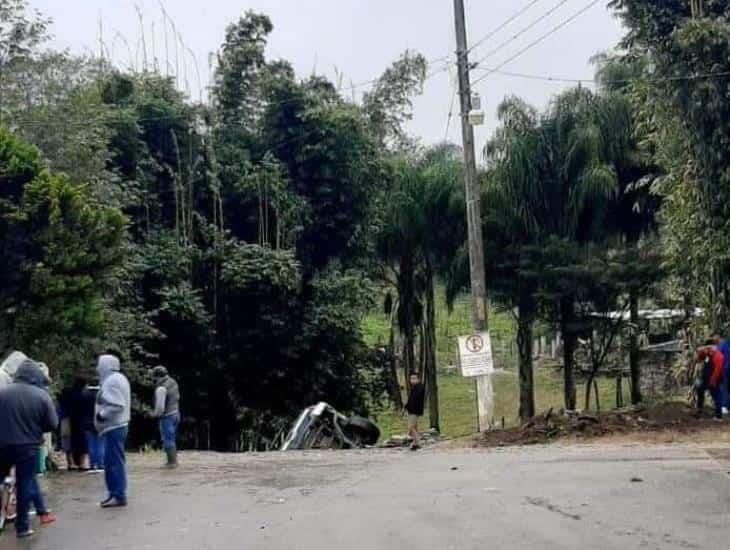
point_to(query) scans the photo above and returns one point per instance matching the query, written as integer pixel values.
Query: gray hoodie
(114, 400)
(10, 366)
(26, 409)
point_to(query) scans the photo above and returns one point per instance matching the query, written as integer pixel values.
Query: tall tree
(423, 226)
(687, 46)
(634, 211)
(61, 247)
(389, 104)
(550, 175)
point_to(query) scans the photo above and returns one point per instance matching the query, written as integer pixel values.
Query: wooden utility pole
(473, 211)
(698, 8)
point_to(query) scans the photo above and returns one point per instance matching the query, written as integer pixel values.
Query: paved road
(543, 498)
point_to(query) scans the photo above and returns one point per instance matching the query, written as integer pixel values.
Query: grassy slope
(457, 394)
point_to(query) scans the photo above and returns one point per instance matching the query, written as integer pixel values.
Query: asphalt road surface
(595, 497)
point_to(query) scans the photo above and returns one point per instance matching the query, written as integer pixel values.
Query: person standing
(723, 345)
(414, 407)
(167, 410)
(93, 440)
(76, 415)
(113, 413)
(713, 362)
(26, 413)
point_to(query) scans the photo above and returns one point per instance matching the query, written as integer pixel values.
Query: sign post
(477, 361)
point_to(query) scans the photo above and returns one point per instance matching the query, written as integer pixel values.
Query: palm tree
(548, 184)
(634, 211)
(422, 219)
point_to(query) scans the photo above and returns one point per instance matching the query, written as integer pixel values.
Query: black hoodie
(26, 409)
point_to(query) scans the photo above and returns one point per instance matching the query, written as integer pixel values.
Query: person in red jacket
(712, 376)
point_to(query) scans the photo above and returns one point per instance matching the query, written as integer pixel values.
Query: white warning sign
(475, 355)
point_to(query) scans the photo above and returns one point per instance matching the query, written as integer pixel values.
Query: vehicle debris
(321, 426)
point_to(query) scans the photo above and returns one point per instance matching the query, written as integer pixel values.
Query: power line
(539, 40)
(494, 31)
(522, 32)
(590, 80)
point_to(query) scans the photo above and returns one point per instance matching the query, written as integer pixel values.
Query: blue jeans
(96, 450)
(25, 460)
(168, 430)
(115, 468)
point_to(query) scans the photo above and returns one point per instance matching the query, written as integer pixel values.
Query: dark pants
(25, 460)
(96, 450)
(115, 468)
(718, 397)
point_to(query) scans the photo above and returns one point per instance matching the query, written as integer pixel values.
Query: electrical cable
(539, 40)
(522, 32)
(494, 31)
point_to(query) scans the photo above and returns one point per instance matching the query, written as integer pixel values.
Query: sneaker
(25, 534)
(113, 502)
(47, 518)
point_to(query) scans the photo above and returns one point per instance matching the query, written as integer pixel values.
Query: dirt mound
(674, 418)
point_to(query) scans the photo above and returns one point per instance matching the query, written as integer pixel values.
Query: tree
(633, 214)
(553, 180)
(423, 224)
(20, 34)
(686, 47)
(388, 105)
(64, 247)
(512, 200)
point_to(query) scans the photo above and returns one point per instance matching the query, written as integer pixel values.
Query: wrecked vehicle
(321, 426)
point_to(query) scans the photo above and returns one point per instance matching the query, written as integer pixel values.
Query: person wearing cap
(113, 413)
(167, 411)
(26, 413)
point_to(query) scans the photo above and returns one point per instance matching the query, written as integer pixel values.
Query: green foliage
(690, 132)
(388, 105)
(250, 266)
(61, 248)
(20, 32)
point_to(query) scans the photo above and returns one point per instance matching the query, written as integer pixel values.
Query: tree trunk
(430, 369)
(634, 362)
(567, 315)
(407, 299)
(393, 385)
(525, 322)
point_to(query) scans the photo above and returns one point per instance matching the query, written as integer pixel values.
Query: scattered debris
(454, 468)
(636, 480)
(429, 437)
(673, 417)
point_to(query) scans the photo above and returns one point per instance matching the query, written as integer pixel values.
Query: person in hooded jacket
(9, 367)
(113, 413)
(26, 413)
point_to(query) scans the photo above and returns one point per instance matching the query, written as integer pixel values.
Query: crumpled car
(321, 426)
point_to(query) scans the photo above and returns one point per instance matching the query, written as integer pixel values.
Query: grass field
(457, 394)
(458, 402)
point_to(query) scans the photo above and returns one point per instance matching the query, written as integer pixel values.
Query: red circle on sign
(475, 343)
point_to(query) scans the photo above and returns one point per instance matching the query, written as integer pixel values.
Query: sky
(353, 41)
